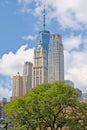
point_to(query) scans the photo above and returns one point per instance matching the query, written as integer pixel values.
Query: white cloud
(11, 63)
(23, 6)
(29, 37)
(72, 42)
(5, 88)
(76, 61)
(69, 13)
(5, 92)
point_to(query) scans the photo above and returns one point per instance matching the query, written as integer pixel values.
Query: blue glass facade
(44, 37)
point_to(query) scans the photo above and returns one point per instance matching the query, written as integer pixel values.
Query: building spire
(39, 46)
(44, 18)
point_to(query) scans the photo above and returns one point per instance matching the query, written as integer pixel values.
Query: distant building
(80, 94)
(40, 71)
(2, 104)
(55, 59)
(17, 86)
(69, 82)
(27, 76)
(84, 95)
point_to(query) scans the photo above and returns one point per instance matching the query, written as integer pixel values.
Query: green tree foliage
(16, 110)
(77, 119)
(48, 105)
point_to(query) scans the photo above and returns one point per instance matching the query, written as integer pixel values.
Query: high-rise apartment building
(40, 71)
(17, 86)
(27, 76)
(55, 59)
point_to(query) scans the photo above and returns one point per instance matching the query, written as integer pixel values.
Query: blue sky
(20, 22)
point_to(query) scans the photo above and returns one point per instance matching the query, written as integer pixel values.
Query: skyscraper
(27, 76)
(40, 71)
(44, 37)
(55, 59)
(17, 86)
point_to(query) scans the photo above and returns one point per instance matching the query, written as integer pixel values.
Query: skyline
(20, 23)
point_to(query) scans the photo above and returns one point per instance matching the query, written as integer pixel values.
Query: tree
(78, 117)
(17, 110)
(53, 104)
(48, 105)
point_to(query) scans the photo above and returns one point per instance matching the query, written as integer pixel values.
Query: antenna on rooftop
(44, 18)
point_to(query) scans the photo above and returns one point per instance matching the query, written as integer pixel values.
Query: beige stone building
(40, 71)
(17, 86)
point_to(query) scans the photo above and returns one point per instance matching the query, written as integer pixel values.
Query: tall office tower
(44, 37)
(55, 59)
(27, 76)
(40, 71)
(17, 86)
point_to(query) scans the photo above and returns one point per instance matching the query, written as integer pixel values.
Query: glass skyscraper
(44, 38)
(55, 59)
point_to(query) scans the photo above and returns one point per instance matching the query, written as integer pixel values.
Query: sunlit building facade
(17, 86)
(27, 76)
(55, 59)
(40, 71)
